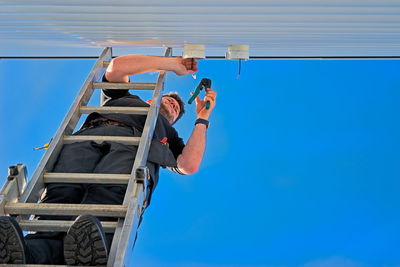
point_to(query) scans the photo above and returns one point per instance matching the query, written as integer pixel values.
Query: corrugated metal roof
(270, 28)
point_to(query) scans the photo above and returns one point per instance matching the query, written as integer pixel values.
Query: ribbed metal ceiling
(270, 28)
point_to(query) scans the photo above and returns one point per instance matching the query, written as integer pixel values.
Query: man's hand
(185, 66)
(202, 112)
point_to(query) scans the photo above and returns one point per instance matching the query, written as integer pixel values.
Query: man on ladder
(110, 157)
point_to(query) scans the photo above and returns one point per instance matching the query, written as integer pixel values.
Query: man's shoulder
(165, 123)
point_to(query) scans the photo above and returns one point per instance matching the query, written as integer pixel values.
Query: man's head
(172, 107)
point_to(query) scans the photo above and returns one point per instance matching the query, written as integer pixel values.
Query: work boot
(85, 243)
(12, 243)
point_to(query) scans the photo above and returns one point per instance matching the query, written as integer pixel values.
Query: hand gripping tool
(204, 84)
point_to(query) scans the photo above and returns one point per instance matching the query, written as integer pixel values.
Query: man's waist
(100, 121)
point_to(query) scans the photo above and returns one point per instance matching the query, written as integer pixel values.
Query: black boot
(12, 243)
(85, 243)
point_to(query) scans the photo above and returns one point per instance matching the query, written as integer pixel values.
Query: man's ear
(149, 101)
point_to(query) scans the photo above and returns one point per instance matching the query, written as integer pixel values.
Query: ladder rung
(110, 110)
(65, 209)
(57, 226)
(124, 86)
(126, 140)
(93, 178)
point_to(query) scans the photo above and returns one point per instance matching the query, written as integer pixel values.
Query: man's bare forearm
(121, 67)
(190, 159)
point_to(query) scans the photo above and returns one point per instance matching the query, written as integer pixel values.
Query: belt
(100, 121)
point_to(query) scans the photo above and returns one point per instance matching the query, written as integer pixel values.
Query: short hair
(175, 96)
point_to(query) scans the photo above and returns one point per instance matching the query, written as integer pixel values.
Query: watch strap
(202, 121)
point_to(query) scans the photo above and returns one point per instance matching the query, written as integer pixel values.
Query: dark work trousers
(83, 157)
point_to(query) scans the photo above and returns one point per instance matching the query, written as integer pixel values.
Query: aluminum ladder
(23, 202)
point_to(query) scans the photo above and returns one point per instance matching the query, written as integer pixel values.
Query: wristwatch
(202, 121)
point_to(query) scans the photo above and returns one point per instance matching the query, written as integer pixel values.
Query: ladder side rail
(125, 233)
(148, 129)
(35, 187)
(103, 97)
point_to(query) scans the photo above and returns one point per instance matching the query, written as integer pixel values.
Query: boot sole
(84, 243)
(12, 248)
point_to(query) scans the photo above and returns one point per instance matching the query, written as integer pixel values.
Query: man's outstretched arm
(121, 67)
(192, 155)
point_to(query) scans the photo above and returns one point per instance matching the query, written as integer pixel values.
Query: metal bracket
(238, 52)
(143, 176)
(14, 186)
(194, 51)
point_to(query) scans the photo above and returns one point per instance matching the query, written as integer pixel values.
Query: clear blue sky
(302, 164)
